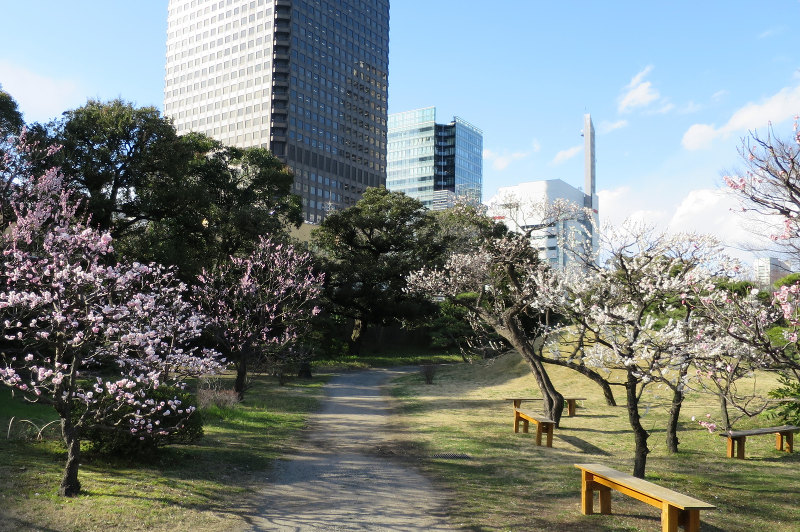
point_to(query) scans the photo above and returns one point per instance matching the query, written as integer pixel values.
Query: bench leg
(516, 421)
(740, 447)
(588, 487)
(570, 407)
(605, 499)
(690, 519)
(780, 437)
(736, 446)
(538, 434)
(669, 518)
(549, 431)
(587, 493)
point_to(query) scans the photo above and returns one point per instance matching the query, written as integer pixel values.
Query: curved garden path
(338, 479)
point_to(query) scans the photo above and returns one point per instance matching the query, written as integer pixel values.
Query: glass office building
(434, 163)
(307, 79)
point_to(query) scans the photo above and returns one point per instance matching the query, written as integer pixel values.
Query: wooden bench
(737, 438)
(571, 402)
(677, 509)
(543, 424)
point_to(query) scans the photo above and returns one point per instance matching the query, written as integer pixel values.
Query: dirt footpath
(336, 480)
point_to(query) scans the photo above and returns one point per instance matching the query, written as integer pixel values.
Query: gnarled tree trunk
(639, 433)
(672, 423)
(70, 486)
(356, 337)
(553, 401)
(240, 383)
(591, 374)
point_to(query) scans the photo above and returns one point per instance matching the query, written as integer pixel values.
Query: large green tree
(11, 121)
(126, 161)
(187, 201)
(368, 250)
(227, 198)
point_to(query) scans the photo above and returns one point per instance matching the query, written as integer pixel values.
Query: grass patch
(511, 484)
(386, 360)
(208, 486)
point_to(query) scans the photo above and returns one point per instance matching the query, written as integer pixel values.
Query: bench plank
(643, 486)
(676, 508)
(765, 430)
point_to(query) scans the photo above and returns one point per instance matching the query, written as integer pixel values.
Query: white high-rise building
(531, 205)
(307, 79)
(769, 269)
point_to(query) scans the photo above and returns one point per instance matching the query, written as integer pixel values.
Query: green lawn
(509, 483)
(208, 486)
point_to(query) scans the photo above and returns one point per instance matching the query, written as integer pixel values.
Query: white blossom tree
(635, 313)
(71, 318)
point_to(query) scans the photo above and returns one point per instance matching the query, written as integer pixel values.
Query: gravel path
(336, 480)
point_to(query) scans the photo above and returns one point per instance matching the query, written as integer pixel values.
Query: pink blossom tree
(745, 333)
(769, 185)
(259, 306)
(68, 312)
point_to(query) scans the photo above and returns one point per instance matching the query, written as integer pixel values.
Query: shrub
(119, 440)
(787, 411)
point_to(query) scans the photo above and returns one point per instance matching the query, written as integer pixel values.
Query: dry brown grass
(511, 484)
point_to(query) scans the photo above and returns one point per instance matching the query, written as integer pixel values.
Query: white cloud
(39, 98)
(638, 93)
(501, 161)
(567, 154)
(706, 211)
(690, 108)
(777, 108)
(770, 33)
(624, 204)
(536, 146)
(608, 127)
(717, 96)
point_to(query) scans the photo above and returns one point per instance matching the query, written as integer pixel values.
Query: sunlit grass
(208, 486)
(511, 484)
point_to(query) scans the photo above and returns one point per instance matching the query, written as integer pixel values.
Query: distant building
(528, 205)
(434, 163)
(307, 80)
(769, 269)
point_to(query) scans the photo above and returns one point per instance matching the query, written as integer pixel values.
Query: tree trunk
(723, 407)
(672, 424)
(639, 433)
(591, 374)
(70, 486)
(553, 402)
(357, 337)
(241, 376)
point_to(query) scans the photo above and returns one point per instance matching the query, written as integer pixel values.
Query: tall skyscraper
(307, 79)
(434, 163)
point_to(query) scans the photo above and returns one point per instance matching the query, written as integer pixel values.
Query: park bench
(677, 509)
(737, 438)
(543, 424)
(571, 402)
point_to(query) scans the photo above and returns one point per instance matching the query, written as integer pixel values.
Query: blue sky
(672, 87)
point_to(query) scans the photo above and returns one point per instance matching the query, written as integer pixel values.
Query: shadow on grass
(583, 445)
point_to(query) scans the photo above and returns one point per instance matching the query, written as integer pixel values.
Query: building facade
(767, 270)
(307, 79)
(560, 217)
(437, 164)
